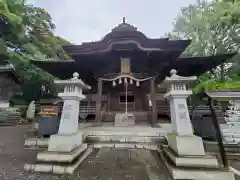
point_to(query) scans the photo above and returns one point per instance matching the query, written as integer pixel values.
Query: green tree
(214, 29)
(27, 34)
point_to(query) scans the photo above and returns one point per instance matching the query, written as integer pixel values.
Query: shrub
(22, 109)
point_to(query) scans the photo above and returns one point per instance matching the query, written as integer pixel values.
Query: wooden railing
(200, 110)
(87, 109)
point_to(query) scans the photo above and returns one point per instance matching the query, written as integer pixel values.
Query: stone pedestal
(185, 157)
(65, 143)
(181, 124)
(124, 119)
(65, 149)
(186, 145)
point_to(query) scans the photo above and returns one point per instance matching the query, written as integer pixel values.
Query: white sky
(89, 20)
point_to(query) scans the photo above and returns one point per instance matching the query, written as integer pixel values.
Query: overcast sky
(89, 20)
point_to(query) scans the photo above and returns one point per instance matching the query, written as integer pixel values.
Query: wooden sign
(49, 111)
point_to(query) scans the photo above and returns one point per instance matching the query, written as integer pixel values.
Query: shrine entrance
(126, 100)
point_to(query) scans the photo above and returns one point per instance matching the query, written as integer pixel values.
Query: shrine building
(124, 69)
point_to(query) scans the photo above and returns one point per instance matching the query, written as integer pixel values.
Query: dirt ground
(105, 164)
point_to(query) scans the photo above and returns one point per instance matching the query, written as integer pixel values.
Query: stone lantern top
(73, 81)
(174, 78)
(176, 82)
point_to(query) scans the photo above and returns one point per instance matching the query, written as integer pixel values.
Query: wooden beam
(99, 102)
(153, 99)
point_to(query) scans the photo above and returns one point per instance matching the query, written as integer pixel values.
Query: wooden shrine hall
(124, 68)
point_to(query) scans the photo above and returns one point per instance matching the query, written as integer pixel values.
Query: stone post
(68, 137)
(181, 140)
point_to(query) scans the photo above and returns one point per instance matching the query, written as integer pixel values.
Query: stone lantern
(186, 157)
(68, 137)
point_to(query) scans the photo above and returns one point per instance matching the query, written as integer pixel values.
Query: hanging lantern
(131, 81)
(114, 83)
(120, 81)
(125, 80)
(137, 83)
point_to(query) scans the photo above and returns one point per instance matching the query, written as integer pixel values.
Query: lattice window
(125, 65)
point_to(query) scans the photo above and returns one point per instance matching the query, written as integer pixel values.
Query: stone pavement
(105, 164)
(102, 165)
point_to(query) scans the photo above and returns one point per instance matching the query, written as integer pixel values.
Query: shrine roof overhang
(88, 71)
(127, 43)
(220, 95)
(195, 66)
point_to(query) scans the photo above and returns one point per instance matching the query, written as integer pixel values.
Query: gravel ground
(102, 165)
(106, 164)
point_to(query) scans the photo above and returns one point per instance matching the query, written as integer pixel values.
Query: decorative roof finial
(75, 75)
(124, 20)
(173, 72)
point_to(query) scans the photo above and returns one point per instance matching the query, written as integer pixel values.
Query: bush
(22, 109)
(224, 86)
(214, 85)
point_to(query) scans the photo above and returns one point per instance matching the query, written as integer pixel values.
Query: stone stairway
(125, 141)
(9, 117)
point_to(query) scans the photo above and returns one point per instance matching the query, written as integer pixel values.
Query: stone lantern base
(59, 162)
(65, 143)
(185, 158)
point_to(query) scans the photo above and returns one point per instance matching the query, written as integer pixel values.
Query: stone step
(61, 157)
(207, 161)
(9, 123)
(58, 168)
(36, 143)
(127, 139)
(195, 173)
(149, 146)
(127, 132)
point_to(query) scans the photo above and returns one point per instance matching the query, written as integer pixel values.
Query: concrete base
(207, 161)
(197, 173)
(124, 119)
(65, 143)
(186, 145)
(58, 169)
(61, 157)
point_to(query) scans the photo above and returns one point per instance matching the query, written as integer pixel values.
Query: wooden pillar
(99, 101)
(153, 99)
